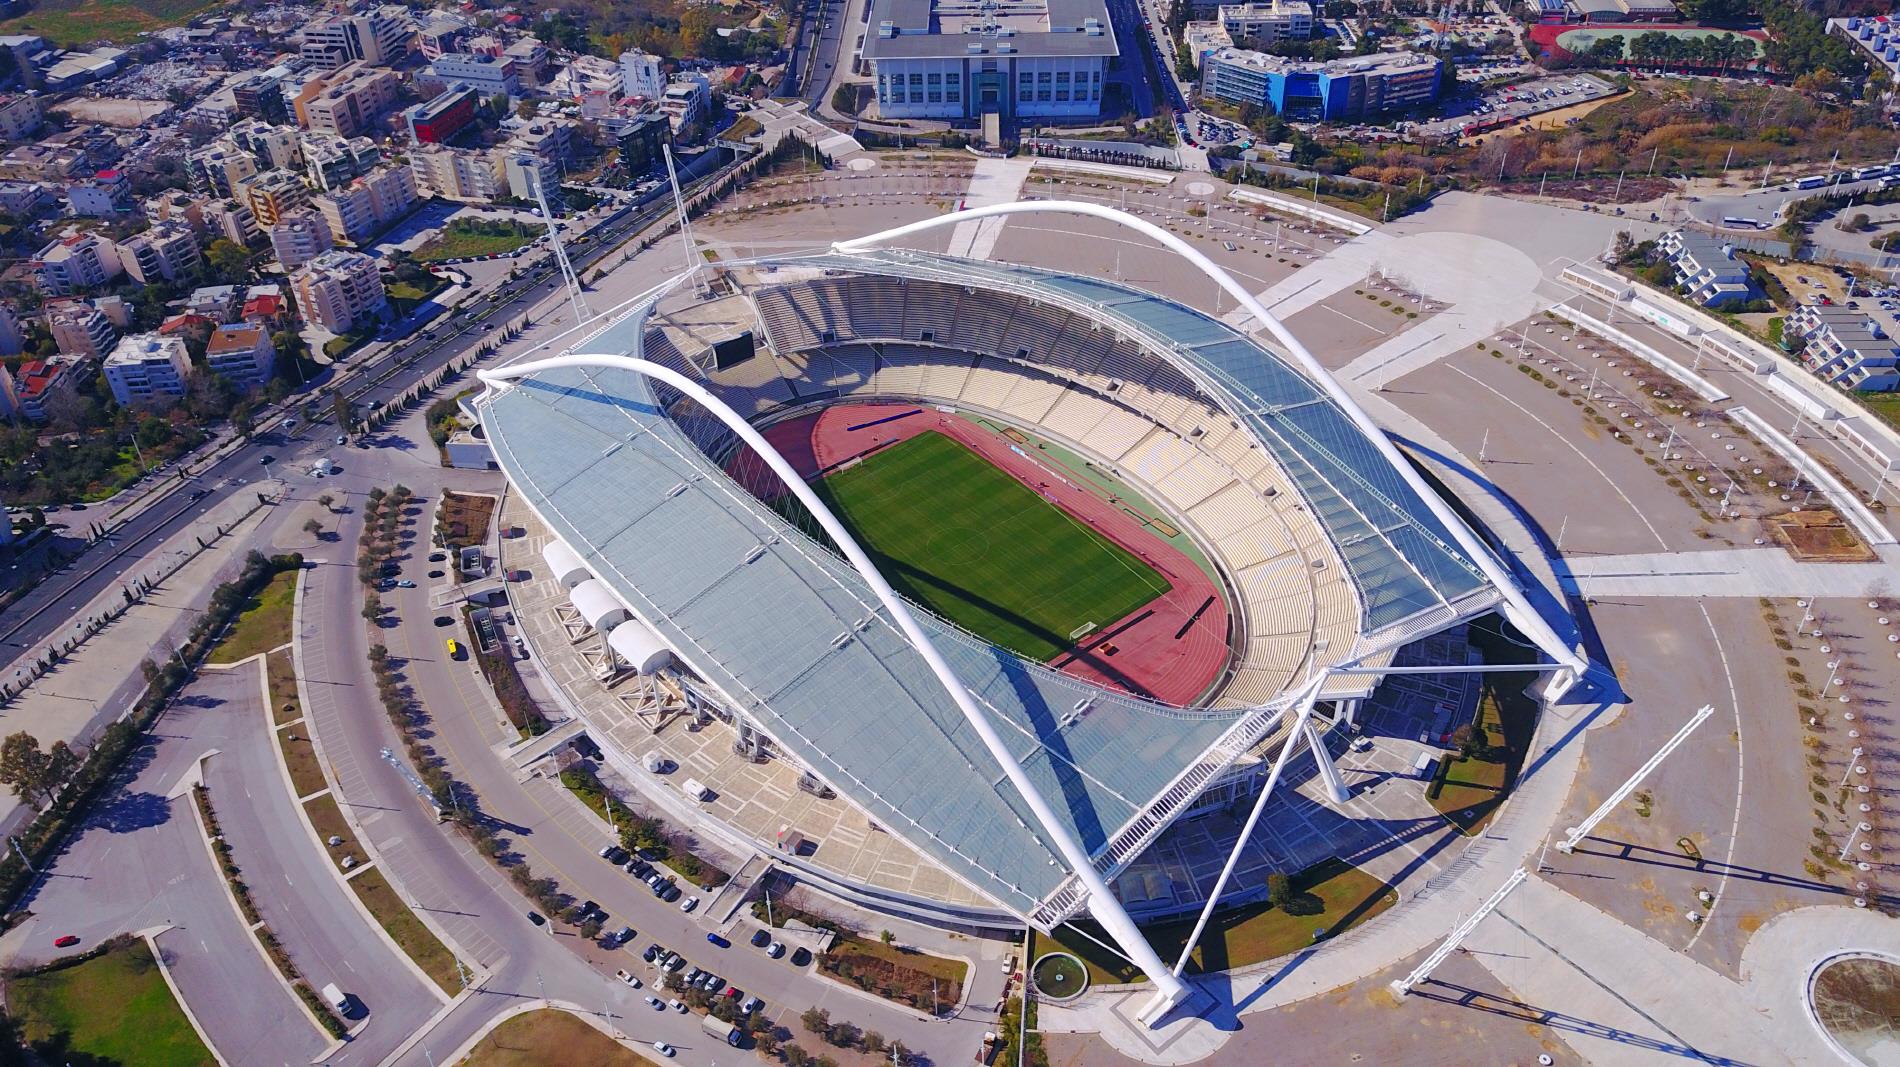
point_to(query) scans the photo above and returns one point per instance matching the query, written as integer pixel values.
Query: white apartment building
(641, 75)
(369, 205)
(166, 252)
(687, 99)
(342, 291)
(300, 237)
(147, 366)
(79, 329)
(1261, 24)
(221, 167)
(80, 261)
(469, 175)
(378, 37)
(522, 169)
(242, 354)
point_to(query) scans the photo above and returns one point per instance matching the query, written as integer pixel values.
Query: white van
(338, 999)
(696, 789)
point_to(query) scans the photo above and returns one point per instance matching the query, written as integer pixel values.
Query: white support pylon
(1302, 713)
(571, 279)
(1328, 770)
(1458, 934)
(1582, 829)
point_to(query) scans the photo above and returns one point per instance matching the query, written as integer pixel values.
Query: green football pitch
(978, 547)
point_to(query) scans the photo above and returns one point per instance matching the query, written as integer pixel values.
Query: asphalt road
(290, 878)
(390, 373)
(443, 878)
(1766, 205)
(140, 862)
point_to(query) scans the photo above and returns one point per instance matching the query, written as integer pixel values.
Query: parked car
(715, 939)
(654, 1002)
(750, 1005)
(65, 941)
(689, 903)
(777, 950)
(761, 938)
(537, 919)
(677, 1005)
(623, 935)
(662, 1047)
(614, 854)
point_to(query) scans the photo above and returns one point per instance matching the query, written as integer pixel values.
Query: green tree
(227, 262)
(35, 775)
(815, 1020)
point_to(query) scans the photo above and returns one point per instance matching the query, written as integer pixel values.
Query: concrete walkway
(1342, 268)
(993, 181)
(1745, 572)
(1616, 996)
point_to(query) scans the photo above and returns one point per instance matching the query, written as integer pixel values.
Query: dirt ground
(1594, 190)
(112, 112)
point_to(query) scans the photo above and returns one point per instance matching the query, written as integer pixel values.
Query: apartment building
(80, 329)
(20, 116)
(78, 261)
(273, 146)
(221, 167)
(342, 291)
(166, 252)
(275, 194)
(144, 367)
(380, 36)
(104, 195)
(469, 175)
(369, 205)
(242, 354)
(300, 237)
(332, 161)
(642, 75)
(12, 338)
(41, 385)
(348, 101)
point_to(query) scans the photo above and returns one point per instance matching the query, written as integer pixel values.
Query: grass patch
(983, 550)
(1885, 406)
(264, 623)
(406, 296)
(328, 821)
(76, 22)
(902, 975)
(417, 941)
(280, 674)
(1333, 896)
(550, 1038)
(463, 238)
(300, 757)
(1475, 785)
(113, 1008)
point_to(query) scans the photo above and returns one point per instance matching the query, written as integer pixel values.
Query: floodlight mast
(1570, 664)
(1102, 903)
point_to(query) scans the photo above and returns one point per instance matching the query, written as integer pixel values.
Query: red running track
(1163, 650)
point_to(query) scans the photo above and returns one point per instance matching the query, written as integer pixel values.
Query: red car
(65, 941)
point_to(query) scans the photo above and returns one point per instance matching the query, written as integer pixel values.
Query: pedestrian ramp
(528, 752)
(732, 896)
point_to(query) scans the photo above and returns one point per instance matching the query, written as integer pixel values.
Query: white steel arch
(1102, 904)
(1571, 665)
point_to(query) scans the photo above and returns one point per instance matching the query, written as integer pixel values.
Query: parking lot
(1511, 104)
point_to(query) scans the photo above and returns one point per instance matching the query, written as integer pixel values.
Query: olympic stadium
(1011, 565)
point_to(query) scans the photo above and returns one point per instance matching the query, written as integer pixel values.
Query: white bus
(1741, 223)
(1812, 181)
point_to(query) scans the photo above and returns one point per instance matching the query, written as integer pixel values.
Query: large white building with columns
(962, 59)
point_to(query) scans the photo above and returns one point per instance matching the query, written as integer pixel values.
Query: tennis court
(983, 550)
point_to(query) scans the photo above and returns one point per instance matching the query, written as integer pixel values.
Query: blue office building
(1338, 90)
